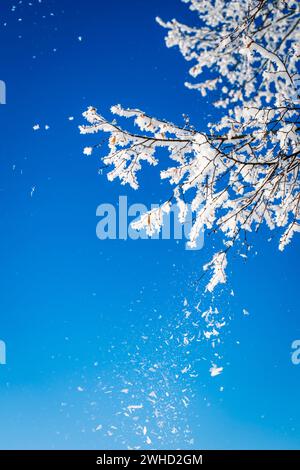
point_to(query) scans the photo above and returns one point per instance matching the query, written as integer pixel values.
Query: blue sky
(75, 311)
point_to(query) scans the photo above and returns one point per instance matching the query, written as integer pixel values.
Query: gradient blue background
(66, 297)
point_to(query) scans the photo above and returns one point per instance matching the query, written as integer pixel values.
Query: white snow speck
(87, 151)
(134, 407)
(214, 370)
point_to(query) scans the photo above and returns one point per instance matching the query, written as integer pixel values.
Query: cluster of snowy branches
(244, 170)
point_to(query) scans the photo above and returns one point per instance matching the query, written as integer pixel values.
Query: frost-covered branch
(243, 170)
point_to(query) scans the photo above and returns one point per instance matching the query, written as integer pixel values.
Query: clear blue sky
(75, 310)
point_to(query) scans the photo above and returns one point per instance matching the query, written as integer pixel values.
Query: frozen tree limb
(244, 170)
